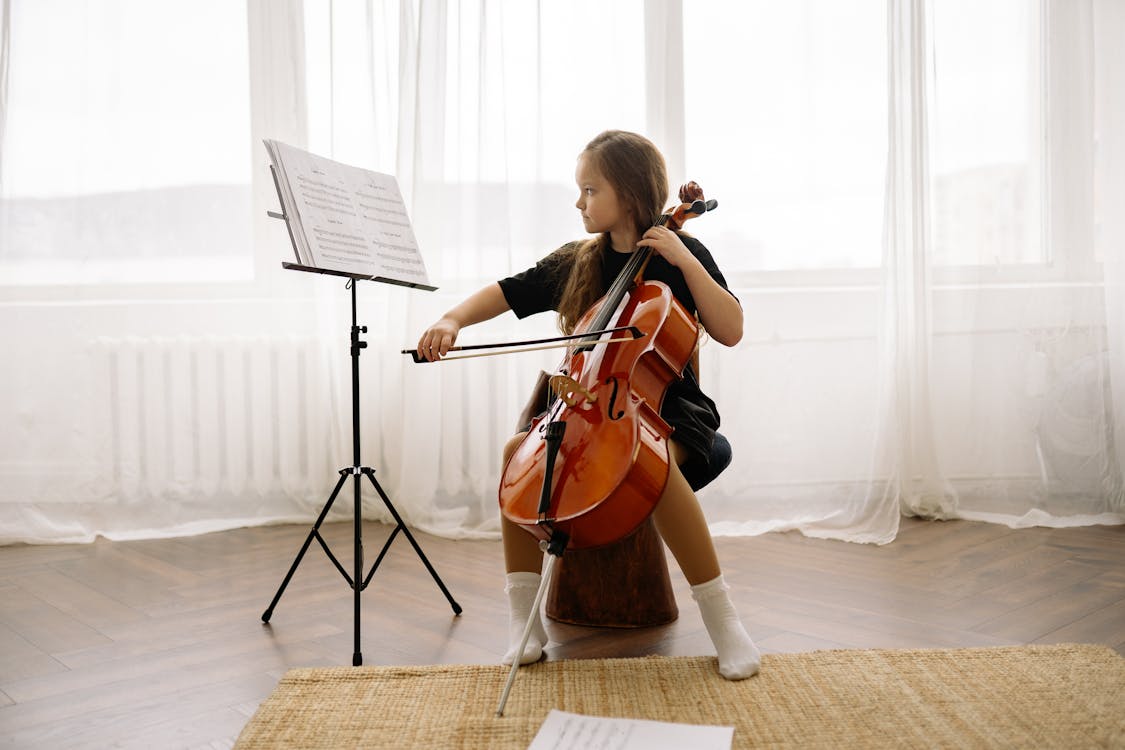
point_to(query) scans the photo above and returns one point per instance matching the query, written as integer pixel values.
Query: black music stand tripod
(357, 580)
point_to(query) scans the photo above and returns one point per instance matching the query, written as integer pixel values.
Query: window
(786, 127)
(988, 139)
(126, 152)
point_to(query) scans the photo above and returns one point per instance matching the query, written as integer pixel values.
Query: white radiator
(216, 415)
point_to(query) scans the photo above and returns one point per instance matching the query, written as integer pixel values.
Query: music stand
(357, 581)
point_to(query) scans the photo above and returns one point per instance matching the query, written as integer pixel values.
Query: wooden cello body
(609, 468)
(613, 462)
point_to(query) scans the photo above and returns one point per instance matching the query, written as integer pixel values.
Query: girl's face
(598, 202)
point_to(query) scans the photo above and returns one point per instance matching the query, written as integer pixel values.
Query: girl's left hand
(666, 242)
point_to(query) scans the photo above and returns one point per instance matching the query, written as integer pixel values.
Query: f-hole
(613, 401)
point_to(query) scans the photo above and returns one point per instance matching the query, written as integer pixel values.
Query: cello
(592, 467)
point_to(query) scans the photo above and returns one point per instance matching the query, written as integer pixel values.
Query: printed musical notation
(346, 218)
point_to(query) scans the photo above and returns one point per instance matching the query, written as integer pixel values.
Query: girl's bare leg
(681, 524)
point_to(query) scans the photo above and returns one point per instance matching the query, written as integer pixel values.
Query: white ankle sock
(738, 656)
(521, 589)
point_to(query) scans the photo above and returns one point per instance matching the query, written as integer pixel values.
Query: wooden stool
(621, 585)
(625, 584)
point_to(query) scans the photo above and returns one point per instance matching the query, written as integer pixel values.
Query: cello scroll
(692, 204)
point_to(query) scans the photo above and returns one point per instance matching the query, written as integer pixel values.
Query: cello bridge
(570, 390)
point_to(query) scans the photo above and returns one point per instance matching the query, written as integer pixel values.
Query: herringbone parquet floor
(160, 643)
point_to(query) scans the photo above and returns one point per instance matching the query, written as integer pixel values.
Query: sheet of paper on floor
(568, 731)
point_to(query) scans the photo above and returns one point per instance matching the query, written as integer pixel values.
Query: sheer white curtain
(160, 374)
(1109, 244)
(933, 297)
(1023, 361)
(872, 347)
(996, 360)
(787, 108)
(5, 45)
(480, 109)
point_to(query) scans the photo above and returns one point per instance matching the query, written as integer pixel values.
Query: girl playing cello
(623, 187)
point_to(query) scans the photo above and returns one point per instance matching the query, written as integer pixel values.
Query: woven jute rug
(1068, 696)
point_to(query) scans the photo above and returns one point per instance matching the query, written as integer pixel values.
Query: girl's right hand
(438, 338)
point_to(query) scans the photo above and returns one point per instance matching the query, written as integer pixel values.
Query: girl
(622, 190)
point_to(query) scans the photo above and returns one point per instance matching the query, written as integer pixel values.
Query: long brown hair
(634, 167)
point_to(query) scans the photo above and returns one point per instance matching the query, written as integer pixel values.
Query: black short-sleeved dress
(692, 415)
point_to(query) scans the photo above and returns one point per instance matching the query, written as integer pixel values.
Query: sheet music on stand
(345, 219)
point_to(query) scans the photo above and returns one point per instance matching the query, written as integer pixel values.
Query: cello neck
(620, 287)
(693, 205)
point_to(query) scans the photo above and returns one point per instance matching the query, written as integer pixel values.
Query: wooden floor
(161, 644)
